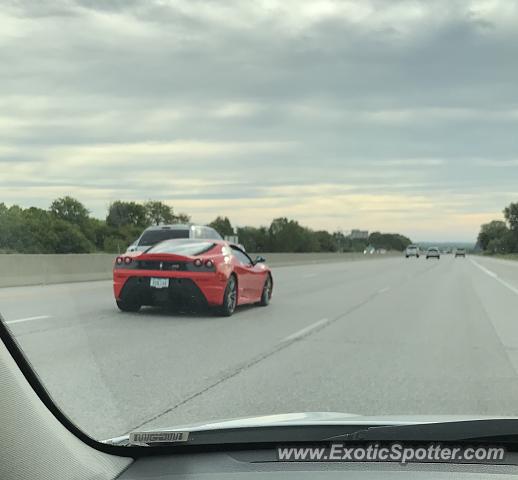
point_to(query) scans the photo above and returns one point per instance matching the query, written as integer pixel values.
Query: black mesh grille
(181, 291)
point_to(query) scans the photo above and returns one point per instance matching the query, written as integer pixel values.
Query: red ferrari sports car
(192, 273)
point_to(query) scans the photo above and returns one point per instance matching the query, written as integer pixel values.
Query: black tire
(417, 256)
(407, 256)
(128, 306)
(267, 292)
(229, 298)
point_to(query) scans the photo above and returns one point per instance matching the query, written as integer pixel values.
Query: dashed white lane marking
(306, 330)
(320, 323)
(27, 319)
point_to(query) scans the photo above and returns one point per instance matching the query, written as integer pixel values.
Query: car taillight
(209, 263)
(119, 261)
(198, 263)
(127, 260)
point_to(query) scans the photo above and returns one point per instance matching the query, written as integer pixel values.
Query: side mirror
(259, 260)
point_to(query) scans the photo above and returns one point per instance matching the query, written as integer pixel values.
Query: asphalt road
(391, 336)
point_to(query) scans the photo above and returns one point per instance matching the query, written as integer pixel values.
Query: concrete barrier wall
(286, 259)
(19, 270)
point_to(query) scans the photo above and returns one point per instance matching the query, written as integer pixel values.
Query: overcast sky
(389, 115)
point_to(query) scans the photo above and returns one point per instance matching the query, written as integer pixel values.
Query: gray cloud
(372, 101)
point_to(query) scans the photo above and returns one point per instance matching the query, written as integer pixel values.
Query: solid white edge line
(495, 276)
(27, 319)
(484, 269)
(306, 330)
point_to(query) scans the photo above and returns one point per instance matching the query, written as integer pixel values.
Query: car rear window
(152, 237)
(182, 248)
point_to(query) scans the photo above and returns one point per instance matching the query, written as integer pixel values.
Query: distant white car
(460, 252)
(412, 251)
(433, 252)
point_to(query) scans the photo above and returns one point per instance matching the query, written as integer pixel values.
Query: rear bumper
(184, 288)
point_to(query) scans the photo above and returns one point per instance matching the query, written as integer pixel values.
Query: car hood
(311, 419)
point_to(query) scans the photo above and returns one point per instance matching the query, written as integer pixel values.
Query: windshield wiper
(505, 430)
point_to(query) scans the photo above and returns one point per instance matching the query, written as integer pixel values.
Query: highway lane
(390, 336)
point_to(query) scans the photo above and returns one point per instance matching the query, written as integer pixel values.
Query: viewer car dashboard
(261, 464)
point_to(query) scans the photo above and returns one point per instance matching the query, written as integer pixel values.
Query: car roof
(176, 226)
(216, 241)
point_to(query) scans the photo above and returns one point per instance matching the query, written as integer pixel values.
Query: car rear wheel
(229, 298)
(128, 306)
(267, 292)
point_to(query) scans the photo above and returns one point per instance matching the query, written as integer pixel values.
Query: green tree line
(284, 235)
(67, 227)
(500, 236)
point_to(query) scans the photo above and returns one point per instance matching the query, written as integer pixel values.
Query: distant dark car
(433, 252)
(460, 252)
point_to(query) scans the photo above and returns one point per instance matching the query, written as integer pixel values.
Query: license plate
(159, 282)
